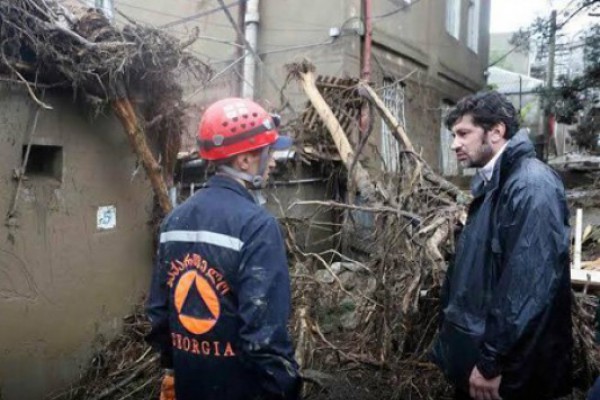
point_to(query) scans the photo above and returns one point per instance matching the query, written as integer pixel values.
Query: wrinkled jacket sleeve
(535, 236)
(157, 310)
(264, 308)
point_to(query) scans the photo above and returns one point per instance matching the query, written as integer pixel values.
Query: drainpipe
(251, 33)
(366, 63)
(240, 49)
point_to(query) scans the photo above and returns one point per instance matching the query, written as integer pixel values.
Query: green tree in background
(574, 96)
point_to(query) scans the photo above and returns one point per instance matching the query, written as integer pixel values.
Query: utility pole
(550, 80)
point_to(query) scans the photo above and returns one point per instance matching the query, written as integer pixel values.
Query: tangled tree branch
(44, 42)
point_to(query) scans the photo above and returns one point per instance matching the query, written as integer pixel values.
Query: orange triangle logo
(201, 316)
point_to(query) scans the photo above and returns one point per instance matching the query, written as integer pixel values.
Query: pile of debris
(372, 311)
(125, 368)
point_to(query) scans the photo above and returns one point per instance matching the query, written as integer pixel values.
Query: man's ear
(498, 132)
(242, 161)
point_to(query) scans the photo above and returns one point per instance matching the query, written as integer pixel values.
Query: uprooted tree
(44, 44)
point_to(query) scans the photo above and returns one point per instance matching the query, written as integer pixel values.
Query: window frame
(393, 96)
(473, 22)
(453, 11)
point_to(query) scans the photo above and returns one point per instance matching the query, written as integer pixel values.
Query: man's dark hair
(487, 109)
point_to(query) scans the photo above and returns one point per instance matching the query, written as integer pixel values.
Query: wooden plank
(583, 277)
(578, 234)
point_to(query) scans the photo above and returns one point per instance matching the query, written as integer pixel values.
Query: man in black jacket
(506, 329)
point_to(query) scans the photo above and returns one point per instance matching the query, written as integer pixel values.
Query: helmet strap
(255, 182)
(263, 164)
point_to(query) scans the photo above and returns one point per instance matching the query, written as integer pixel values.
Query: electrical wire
(252, 51)
(214, 77)
(298, 47)
(530, 33)
(183, 20)
(120, 3)
(397, 10)
(199, 15)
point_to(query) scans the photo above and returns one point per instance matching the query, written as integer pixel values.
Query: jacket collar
(517, 148)
(488, 170)
(226, 182)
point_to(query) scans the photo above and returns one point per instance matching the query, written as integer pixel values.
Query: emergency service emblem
(196, 294)
(196, 303)
(197, 288)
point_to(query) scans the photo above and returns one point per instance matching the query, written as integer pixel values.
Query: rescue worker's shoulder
(178, 214)
(260, 221)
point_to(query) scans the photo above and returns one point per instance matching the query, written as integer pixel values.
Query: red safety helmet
(233, 126)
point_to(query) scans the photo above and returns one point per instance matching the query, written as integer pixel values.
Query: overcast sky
(510, 15)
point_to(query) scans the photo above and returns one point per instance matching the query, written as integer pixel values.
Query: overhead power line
(251, 50)
(180, 19)
(199, 15)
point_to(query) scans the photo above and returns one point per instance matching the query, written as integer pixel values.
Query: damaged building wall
(76, 256)
(432, 64)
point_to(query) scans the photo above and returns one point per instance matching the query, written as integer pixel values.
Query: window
(43, 161)
(473, 25)
(393, 97)
(453, 17)
(106, 6)
(448, 162)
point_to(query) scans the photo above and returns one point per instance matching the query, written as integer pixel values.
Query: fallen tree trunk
(137, 139)
(360, 176)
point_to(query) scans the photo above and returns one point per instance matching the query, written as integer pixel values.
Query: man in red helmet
(219, 301)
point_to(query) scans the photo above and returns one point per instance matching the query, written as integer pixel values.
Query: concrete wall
(297, 30)
(64, 283)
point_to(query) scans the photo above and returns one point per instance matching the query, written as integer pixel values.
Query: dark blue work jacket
(220, 298)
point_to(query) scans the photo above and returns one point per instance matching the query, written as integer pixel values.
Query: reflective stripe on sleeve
(217, 239)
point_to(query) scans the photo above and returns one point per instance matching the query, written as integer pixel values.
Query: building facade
(426, 54)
